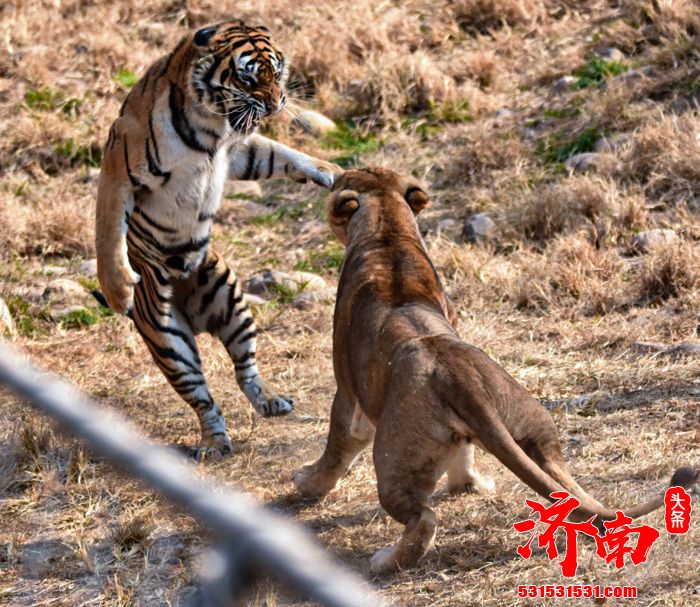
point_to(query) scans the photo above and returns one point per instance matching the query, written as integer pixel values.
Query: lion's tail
(501, 444)
(482, 395)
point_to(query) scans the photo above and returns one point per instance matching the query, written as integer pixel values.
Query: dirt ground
(573, 291)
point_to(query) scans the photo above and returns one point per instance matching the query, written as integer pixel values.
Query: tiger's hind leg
(213, 301)
(169, 338)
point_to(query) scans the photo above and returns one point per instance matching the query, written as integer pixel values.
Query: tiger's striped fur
(186, 127)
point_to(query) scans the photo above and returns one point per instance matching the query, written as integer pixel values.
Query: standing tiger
(186, 127)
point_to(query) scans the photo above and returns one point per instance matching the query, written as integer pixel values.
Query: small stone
(479, 229)
(294, 282)
(315, 122)
(7, 324)
(611, 53)
(580, 163)
(244, 189)
(92, 174)
(503, 112)
(307, 298)
(694, 204)
(51, 270)
(448, 225)
(563, 84)
(63, 288)
(652, 240)
(634, 76)
(254, 300)
(685, 348)
(88, 268)
(61, 313)
(255, 209)
(607, 145)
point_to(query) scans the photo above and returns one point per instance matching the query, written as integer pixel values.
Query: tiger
(186, 126)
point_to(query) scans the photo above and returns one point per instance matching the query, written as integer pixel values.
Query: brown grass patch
(552, 301)
(670, 273)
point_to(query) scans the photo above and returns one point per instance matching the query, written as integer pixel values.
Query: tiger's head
(239, 73)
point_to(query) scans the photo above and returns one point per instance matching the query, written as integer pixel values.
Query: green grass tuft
(596, 71)
(353, 140)
(278, 215)
(125, 77)
(77, 153)
(46, 99)
(328, 257)
(560, 146)
(85, 317)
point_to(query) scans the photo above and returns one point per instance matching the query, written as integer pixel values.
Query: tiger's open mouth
(246, 120)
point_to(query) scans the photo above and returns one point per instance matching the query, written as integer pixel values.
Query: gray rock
(563, 84)
(254, 300)
(255, 209)
(51, 270)
(479, 229)
(293, 282)
(244, 189)
(62, 289)
(611, 53)
(88, 268)
(315, 122)
(634, 76)
(580, 163)
(61, 313)
(652, 240)
(92, 174)
(686, 348)
(7, 324)
(694, 204)
(308, 298)
(448, 225)
(606, 145)
(503, 112)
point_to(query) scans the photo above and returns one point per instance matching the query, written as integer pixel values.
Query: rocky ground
(560, 144)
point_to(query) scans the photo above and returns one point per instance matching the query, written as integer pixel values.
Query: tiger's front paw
(320, 172)
(265, 399)
(212, 448)
(116, 282)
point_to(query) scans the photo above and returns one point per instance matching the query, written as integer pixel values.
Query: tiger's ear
(416, 198)
(346, 202)
(202, 36)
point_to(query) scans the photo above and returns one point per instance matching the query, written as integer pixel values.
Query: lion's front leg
(258, 157)
(346, 438)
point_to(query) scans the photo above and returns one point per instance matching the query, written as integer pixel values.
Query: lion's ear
(346, 202)
(416, 198)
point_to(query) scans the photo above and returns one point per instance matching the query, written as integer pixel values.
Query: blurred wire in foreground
(253, 541)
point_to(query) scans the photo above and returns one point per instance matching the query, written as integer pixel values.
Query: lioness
(402, 369)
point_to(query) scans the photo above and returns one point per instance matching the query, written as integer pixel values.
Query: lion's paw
(310, 483)
(477, 484)
(384, 560)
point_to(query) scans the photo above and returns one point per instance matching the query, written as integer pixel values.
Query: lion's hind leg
(462, 476)
(409, 460)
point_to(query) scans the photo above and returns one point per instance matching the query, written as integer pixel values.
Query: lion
(406, 379)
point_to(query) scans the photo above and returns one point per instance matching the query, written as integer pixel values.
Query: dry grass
(558, 299)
